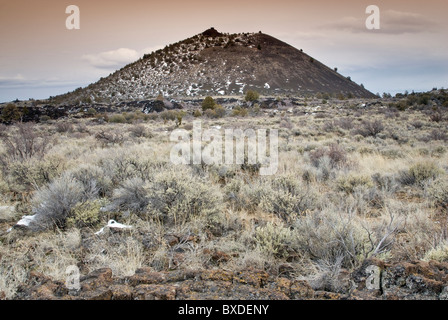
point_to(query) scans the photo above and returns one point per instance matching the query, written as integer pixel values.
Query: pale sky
(40, 57)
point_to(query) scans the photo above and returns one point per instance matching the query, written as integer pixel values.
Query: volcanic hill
(219, 64)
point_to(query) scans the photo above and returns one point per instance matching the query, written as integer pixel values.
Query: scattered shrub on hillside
(436, 116)
(436, 135)
(338, 237)
(123, 257)
(197, 113)
(385, 182)
(440, 253)
(171, 115)
(344, 123)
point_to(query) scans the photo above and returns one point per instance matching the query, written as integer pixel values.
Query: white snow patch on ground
(267, 86)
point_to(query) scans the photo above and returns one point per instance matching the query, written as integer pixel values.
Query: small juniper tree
(252, 95)
(208, 103)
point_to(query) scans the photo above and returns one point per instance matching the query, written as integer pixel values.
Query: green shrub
(252, 95)
(197, 113)
(117, 118)
(419, 173)
(437, 192)
(286, 197)
(91, 112)
(333, 237)
(11, 113)
(85, 214)
(217, 112)
(171, 115)
(208, 103)
(350, 183)
(44, 118)
(239, 112)
(178, 196)
(440, 253)
(274, 240)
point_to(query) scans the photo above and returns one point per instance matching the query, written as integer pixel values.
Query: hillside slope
(212, 63)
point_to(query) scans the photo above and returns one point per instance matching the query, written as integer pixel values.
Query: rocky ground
(400, 281)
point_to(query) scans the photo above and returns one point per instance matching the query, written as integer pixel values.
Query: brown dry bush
(25, 144)
(369, 128)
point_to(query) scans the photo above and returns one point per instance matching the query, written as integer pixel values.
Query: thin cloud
(397, 22)
(19, 81)
(392, 22)
(112, 59)
(115, 58)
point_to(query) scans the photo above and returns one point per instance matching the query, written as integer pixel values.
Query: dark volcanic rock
(399, 281)
(417, 280)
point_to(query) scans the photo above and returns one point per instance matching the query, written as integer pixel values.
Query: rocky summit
(220, 64)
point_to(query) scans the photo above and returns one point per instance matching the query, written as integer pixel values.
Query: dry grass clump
(123, 256)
